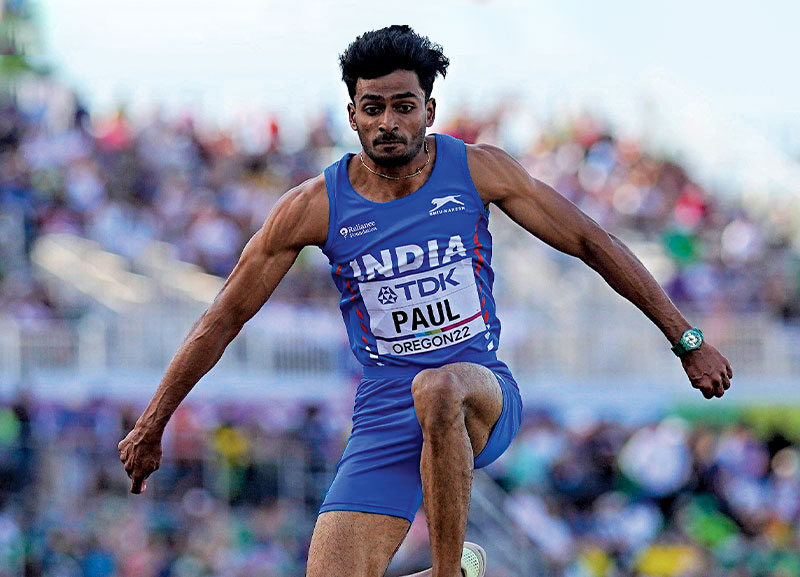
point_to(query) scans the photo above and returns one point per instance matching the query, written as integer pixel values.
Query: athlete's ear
(351, 115)
(430, 112)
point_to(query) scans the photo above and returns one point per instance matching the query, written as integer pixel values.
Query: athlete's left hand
(708, 371)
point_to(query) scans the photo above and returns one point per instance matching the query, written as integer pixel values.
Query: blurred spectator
(207, 191)
(240, 485)
(666, 498)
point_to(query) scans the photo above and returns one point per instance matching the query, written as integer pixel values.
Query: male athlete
(404, 224)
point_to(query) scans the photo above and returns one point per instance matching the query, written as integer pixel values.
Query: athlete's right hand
(140, 453)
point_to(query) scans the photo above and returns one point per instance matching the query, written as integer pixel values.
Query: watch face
(691, 340)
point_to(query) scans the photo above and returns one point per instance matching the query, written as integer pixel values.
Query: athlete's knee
(437, 396)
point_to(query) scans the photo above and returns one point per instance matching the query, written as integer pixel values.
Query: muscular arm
(299, 219)
(549, 216)
(546, 214)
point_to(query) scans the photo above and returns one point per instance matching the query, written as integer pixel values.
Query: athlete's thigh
(483, 400)
(354, 544)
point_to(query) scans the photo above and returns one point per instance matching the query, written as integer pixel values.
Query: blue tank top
(414, 273)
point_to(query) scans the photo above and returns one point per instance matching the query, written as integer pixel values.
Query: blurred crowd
(666, 498)
(240, 485)
(236, 494)
(721, 254)
(206, 189)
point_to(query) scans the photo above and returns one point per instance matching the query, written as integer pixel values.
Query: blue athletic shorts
(379, 470)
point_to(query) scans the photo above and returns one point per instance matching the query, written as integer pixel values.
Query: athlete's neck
(379, 189)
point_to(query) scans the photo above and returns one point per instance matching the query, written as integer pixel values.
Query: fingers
(138, 480)
(712, 383)
(137, 466)
(705, 386)
(712, 388)
(138, 485)
(708, 371)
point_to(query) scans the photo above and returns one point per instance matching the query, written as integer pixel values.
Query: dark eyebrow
(379, 98)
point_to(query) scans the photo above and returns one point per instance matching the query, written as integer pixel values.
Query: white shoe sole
(471, 570)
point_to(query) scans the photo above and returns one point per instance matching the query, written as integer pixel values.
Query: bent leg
(354, 544)
(457, 405)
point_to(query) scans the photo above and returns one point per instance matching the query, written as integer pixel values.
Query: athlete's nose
(388, 121)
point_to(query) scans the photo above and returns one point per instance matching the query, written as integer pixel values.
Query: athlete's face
(391, 114)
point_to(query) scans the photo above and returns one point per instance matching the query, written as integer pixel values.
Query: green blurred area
(766, 420)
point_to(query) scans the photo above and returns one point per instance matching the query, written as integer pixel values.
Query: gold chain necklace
(413, 174)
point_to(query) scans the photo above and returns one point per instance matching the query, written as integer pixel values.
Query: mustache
(388, 140)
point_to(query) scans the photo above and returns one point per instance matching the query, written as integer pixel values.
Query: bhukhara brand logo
(358, 229)
(446, 204)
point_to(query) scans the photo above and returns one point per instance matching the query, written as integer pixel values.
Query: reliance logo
(358, 230)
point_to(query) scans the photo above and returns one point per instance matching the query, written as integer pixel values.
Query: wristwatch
(690, 341)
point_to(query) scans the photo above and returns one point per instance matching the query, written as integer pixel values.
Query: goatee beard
(392, 161)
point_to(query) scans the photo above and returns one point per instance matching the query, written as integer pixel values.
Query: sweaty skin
(456, 404)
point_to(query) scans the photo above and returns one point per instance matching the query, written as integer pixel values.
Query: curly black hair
(380, 52)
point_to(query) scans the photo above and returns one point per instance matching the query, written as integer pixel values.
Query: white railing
(561, 324)
(584, 344)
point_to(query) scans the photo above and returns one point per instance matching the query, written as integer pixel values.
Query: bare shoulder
(494, 171)
(300, 217)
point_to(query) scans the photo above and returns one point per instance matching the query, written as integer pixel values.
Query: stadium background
(119, 220)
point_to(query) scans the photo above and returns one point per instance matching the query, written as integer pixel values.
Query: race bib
(424, 311)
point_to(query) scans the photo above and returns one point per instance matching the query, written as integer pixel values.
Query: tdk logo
(426, 286)
(446, 204)
(387, 296)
